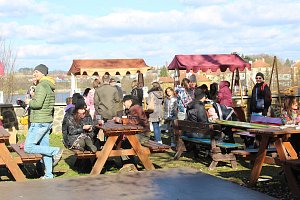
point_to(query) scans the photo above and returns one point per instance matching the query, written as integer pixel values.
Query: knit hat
(127, 97)
(193, 78)
(261, 75)
(199, 94)
(42, 68)
(80, 104)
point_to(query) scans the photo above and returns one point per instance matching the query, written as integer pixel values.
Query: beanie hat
(199, 94)
(80, 104)
(261, 75)
(127, 97)
(193, 78)
(42, 68)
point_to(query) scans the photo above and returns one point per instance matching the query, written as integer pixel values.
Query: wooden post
(278, 91)
(232, 81)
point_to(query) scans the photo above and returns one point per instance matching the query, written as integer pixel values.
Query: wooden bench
(292, 170)
(26, 158)
(155, 147)
(209, 130)
(83, 154)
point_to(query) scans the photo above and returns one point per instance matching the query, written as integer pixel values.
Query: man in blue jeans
(41, 118)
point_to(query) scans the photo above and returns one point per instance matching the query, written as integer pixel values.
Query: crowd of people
(107, 100)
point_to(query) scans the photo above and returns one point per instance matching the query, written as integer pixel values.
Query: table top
(243, 125)
(275, 131)
(112, 128)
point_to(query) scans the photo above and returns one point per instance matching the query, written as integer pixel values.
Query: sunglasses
(258, 78)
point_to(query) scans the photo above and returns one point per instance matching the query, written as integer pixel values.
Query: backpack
(224, 112)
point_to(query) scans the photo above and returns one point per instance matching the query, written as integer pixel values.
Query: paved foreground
(170, 184)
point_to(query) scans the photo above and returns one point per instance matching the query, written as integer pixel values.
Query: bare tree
(8, 60)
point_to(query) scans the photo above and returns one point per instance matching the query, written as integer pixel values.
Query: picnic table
(113, 131)
(7, 160)
(242, 125)
(283, 147)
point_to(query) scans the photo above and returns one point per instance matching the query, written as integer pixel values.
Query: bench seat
(83, 154)
(155, 146)
(208, 142)
(26, 158)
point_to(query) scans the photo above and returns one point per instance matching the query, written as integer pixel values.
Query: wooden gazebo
(99, 67)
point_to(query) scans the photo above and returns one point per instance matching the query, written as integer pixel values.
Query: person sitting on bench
(196, 112)
(136, 116)
(79, 129)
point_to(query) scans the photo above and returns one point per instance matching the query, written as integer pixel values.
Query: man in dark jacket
(195, 110)
(41, 117)
(137, 116)
(261, 96)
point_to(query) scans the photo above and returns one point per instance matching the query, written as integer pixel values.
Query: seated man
(136, 115)
(196, 112)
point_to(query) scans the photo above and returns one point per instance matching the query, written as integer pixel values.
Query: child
(170, 111)
(290, 114)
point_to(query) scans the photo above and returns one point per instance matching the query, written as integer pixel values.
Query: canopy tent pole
(232, 78)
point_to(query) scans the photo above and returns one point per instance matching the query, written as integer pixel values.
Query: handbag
(260, 103)
(150, 105)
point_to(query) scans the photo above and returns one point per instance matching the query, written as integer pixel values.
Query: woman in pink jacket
(224, 94)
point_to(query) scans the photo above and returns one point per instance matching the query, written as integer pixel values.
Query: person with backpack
(261, 96)
(137, 92)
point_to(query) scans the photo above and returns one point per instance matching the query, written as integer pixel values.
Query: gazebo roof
(100, 66)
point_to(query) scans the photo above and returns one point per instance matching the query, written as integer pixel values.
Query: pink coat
(89, 100)
(224, 94)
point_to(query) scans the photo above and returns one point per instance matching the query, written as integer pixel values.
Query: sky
(56, 32)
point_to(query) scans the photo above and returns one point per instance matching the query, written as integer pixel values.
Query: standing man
(105, 99)
(41, 118)
(261, 96)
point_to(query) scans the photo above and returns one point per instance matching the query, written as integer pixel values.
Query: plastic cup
(124, 120)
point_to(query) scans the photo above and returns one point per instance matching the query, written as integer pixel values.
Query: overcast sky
(56, 32)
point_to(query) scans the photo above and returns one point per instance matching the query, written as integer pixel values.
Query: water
(59, 97)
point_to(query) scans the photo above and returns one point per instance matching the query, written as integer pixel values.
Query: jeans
(156, 130)
(37, 141)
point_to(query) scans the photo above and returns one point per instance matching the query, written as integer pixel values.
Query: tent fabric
(206, 62)
(1, 69)
(78, 66)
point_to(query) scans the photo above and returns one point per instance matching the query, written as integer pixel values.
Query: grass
(274, 185)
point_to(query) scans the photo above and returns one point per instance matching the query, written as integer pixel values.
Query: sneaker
(57, 157)
(45, 177)
(159, 142)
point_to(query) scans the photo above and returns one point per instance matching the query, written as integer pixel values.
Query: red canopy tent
(212, 62)
(233, 62)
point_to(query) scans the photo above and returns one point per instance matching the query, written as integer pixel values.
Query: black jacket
(263, 92)
(196, 112)
(71, 129)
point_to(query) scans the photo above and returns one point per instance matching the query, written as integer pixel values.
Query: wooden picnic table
(113, 131)
(6, 159)
(283, 147)
(242, 125)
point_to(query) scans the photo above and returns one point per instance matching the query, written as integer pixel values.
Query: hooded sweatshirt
(224, 94)
(42, 103)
